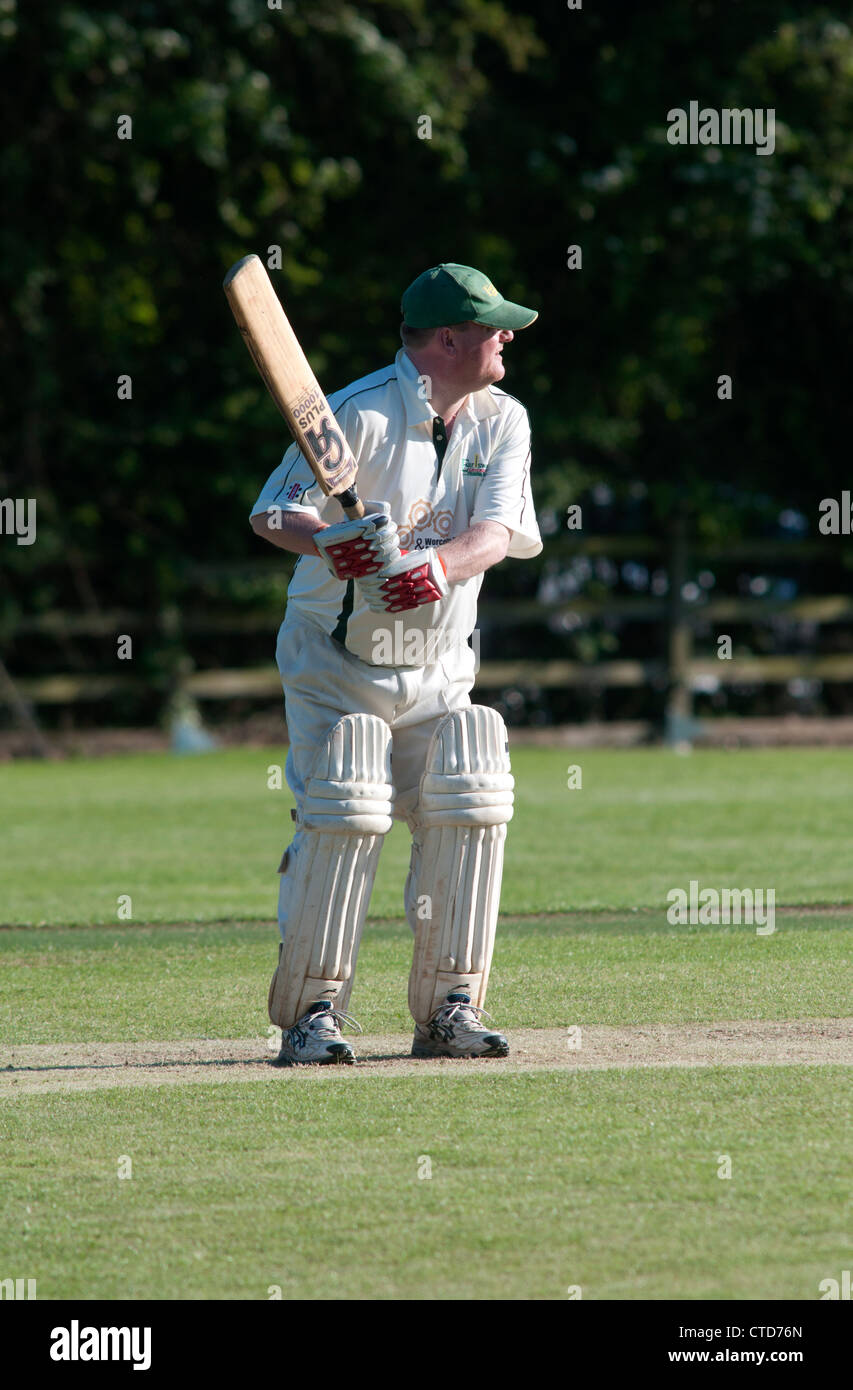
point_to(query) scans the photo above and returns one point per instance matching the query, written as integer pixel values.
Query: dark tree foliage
(298, 126)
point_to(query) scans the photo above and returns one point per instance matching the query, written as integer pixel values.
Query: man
(375, 659)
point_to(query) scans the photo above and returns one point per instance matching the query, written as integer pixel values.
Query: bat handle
(351, 503)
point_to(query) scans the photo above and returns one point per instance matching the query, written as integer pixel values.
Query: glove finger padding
(416, 578)
(352, 549)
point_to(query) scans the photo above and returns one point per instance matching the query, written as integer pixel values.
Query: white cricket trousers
(322, 682)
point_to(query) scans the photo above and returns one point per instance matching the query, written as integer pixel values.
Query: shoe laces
(338, 1017)
(450, 1011)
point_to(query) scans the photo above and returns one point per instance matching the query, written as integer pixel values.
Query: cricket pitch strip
(97, 1066)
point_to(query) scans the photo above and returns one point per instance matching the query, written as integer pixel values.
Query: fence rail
(675, 671)
(260, 682)
(828, 608)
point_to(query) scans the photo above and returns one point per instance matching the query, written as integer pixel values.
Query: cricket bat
(291, 382)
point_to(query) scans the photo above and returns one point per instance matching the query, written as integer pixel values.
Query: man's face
(479, 360)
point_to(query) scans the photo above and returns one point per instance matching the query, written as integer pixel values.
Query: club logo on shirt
(293, 491)
(423, 517)
(475, 466)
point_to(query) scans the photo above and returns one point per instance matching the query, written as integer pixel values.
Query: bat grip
(351, 503)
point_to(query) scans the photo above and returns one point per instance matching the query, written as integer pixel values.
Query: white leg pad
(328, 871)
(454, 884)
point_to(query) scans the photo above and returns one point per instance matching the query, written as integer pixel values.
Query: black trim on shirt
(524, 475)
(339, 633)
(496, 391)
(439, 439)
(363, 390)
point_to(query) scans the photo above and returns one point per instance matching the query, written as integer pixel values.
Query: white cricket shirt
(485, 476)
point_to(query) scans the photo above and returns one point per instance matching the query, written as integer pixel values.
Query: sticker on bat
(326, 444)
(310, 406)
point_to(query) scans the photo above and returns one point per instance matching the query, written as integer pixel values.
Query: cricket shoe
(456, 1030)
(316, 1038)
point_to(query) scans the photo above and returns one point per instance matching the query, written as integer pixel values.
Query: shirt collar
(419, 411)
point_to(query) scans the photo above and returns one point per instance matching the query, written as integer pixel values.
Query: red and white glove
(418, 577)
(352, 549)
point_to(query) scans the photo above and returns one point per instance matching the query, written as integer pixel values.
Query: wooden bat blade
(290, 380)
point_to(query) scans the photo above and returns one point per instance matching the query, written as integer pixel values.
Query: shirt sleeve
(504, 494)
(292, 486)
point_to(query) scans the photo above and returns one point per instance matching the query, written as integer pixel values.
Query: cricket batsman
(377, 666)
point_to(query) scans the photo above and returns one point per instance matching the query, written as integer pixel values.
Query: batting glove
(352, 549)
(414, 579)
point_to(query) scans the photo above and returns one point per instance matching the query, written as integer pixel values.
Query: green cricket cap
(451, 293)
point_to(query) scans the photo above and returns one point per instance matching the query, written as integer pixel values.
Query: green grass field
(539, 1179)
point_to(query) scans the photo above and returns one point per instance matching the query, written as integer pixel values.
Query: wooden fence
(673, 669)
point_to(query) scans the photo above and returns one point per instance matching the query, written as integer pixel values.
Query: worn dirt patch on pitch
(96, 1066)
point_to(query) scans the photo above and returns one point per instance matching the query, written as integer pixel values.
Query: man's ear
(446, 339)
